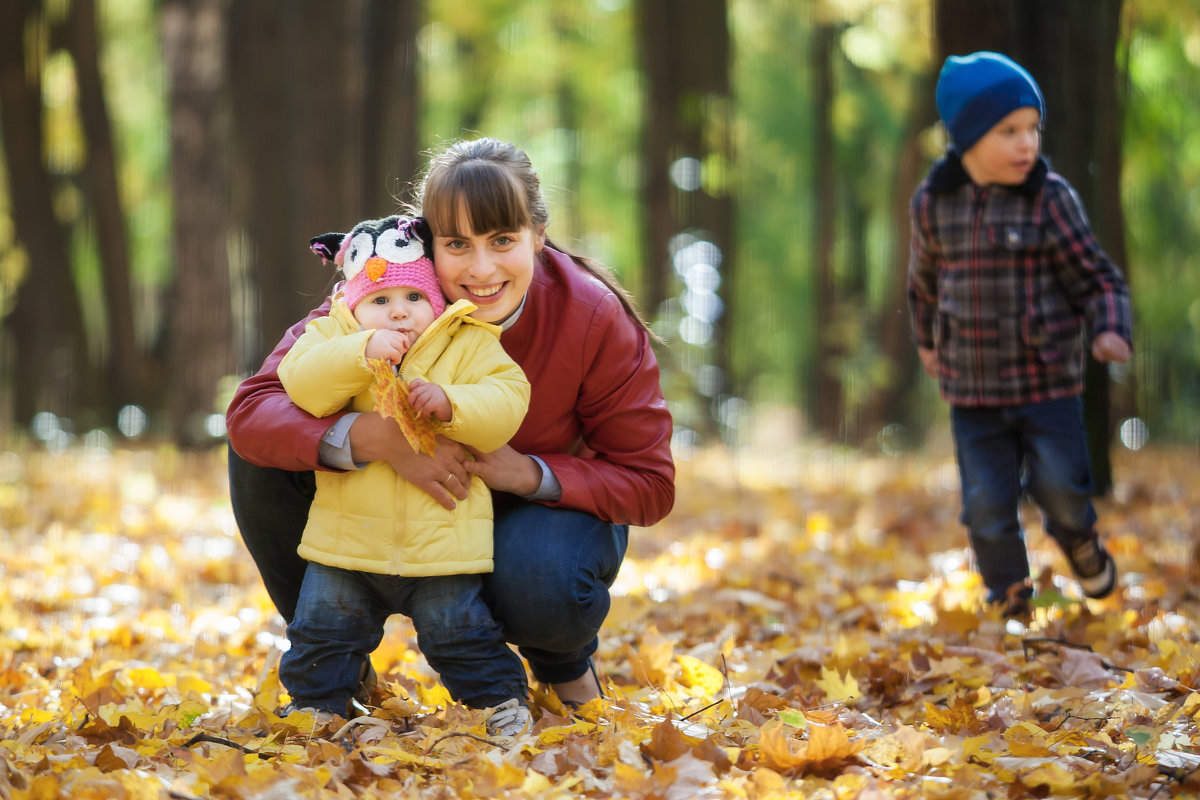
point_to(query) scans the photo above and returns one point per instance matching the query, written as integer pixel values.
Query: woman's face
(493, 270)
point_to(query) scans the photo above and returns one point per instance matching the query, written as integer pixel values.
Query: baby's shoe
(1094, 568)
(510, 718)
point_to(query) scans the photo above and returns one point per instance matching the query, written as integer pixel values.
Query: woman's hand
(506, 470)
(441, 475)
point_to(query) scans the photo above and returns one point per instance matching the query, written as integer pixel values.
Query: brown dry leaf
(666, 743)
(827, 750)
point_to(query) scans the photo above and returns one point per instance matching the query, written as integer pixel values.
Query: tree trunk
(894, 327)
(660, 133)
(261, 190)
(389, 154)
(47, 339)
(828, 402)
(200, 348)
(124, 360)
(1070, 49)
(328, 167)
(320, 143)
(684, 49)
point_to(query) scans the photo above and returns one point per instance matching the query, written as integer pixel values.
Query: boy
(375, 544)
(1004, 275)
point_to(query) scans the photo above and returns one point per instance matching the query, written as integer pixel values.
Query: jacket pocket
(1055, 344)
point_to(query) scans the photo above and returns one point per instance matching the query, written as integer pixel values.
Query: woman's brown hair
(497, 186)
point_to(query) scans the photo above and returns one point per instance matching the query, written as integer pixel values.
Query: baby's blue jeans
(339, 622)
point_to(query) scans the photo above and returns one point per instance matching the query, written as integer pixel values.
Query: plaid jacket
(1001, 282)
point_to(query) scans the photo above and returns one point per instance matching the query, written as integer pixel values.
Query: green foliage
(132, 65)
(768, 321)
(561, 81)
(1161, 194)
(883, 49)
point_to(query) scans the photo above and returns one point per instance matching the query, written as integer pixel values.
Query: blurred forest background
(743, 165)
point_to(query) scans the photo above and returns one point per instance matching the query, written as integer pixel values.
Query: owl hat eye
(358, 249)
(380, 254)
(398, 247)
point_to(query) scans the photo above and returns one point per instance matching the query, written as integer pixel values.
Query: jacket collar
(948, 174)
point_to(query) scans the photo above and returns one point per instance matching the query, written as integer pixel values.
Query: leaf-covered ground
(803, 626)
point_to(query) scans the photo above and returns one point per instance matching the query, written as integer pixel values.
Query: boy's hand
(429, 399)
(928, 361)
(1108, 346)
(388, 345)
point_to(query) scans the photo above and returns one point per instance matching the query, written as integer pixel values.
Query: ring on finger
(449, 475)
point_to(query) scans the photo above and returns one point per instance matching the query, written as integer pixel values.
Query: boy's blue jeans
(553, 566)
(1002, 452)
(339, 622)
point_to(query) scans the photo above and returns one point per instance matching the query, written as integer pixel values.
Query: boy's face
(396, 308)
(1007, 152)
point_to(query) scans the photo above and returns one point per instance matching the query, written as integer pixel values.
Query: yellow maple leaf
(1055, 777)
(489, 780)
(838, 688)
(148, 678)
(651, 661)
(958, 718)
(391, 402)
(695, 674)
(1026, 739)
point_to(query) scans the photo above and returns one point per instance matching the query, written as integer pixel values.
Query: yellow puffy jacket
(371, 520)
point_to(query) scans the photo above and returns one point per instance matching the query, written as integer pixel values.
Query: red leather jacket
(597, 415)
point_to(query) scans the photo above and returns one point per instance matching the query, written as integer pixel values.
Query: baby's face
(1007, 152)
(396, 308)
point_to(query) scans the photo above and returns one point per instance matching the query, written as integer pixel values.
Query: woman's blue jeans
(1039, 448)
(339, 623)
(549, 590)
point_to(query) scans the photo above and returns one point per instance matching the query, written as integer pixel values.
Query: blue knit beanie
(975, 92)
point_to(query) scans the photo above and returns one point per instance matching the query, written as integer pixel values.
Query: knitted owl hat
(380, 254)
(976, 91)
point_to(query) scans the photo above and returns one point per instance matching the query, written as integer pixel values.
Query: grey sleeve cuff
(334, 451)
(550, 489)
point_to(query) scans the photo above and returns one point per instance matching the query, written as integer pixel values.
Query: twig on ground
(1034, 642)
(464, 735)
(208, 737)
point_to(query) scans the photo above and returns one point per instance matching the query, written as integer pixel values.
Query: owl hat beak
(375, 268)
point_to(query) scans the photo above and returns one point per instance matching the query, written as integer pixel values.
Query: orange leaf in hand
(391, 401)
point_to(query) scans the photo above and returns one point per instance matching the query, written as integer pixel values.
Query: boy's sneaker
(510, 718)
(1094, 568)
(1015, 603)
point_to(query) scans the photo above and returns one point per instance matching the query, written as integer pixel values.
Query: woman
(591, 458)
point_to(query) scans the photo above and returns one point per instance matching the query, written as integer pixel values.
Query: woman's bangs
(491, 197)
